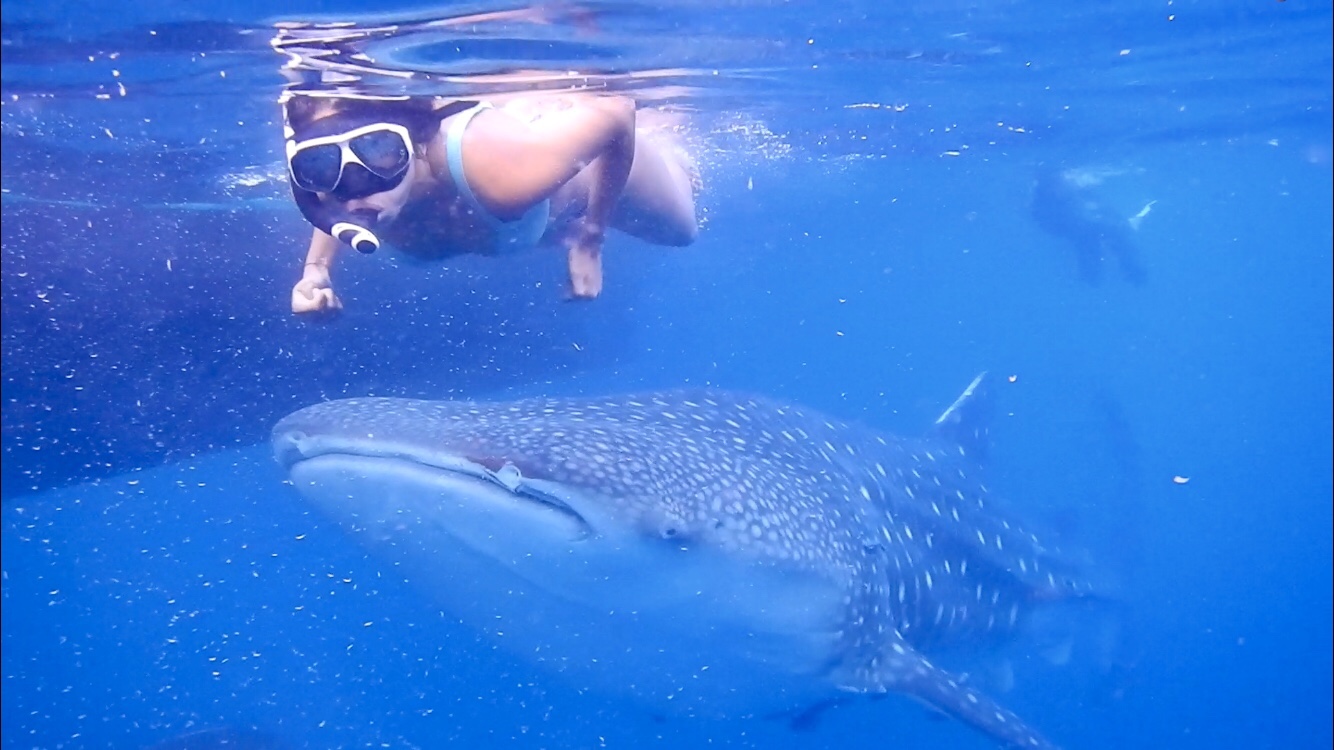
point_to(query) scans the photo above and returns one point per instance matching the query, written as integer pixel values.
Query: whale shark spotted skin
(706, 550)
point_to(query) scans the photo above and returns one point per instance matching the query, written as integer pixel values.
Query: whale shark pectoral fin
(902, 670)
(942, 691)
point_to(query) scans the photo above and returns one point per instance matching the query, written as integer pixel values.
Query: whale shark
(713, 552)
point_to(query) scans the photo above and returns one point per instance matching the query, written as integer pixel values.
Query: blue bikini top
(511, 236)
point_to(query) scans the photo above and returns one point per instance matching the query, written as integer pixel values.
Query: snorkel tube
(355, 228)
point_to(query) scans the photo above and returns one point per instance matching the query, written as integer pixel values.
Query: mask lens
(382, 151)
(317, 168)
(359, 182)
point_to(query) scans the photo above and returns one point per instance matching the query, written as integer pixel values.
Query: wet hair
(420, 115)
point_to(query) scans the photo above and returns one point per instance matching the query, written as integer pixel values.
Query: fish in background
(1067, 205)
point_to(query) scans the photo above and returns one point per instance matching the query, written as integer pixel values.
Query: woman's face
(388, 204)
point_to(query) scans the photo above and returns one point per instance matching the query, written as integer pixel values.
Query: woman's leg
(658, 204)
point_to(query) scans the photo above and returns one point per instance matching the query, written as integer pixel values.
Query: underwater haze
(1120, 210)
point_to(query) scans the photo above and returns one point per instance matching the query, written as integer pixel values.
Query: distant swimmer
(436, 177)
(1065, 205)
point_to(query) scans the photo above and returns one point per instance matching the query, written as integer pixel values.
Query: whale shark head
(654, 503)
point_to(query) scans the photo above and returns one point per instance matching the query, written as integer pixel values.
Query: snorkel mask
(352, 154)
(340, 158)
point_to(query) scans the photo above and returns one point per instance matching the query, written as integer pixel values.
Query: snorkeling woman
(440, 177)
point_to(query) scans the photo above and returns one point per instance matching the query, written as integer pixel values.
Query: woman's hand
(314, 292)
(585, 260)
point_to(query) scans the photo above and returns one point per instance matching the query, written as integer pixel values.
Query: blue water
(158, 577)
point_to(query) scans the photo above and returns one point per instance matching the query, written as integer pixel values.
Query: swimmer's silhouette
(1066, 206)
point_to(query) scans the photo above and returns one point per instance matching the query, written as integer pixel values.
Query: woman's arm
(512, 165)
(601, 133)
(513, 162)
(610, 172)
(314, 292)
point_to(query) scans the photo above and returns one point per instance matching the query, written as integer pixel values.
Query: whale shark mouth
(476, 477)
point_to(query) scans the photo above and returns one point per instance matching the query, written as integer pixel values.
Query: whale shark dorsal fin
(967, 421)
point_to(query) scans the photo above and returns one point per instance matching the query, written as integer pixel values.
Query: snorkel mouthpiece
(356, 228)
(359, 237)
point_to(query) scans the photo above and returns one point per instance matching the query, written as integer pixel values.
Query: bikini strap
(454, 157)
